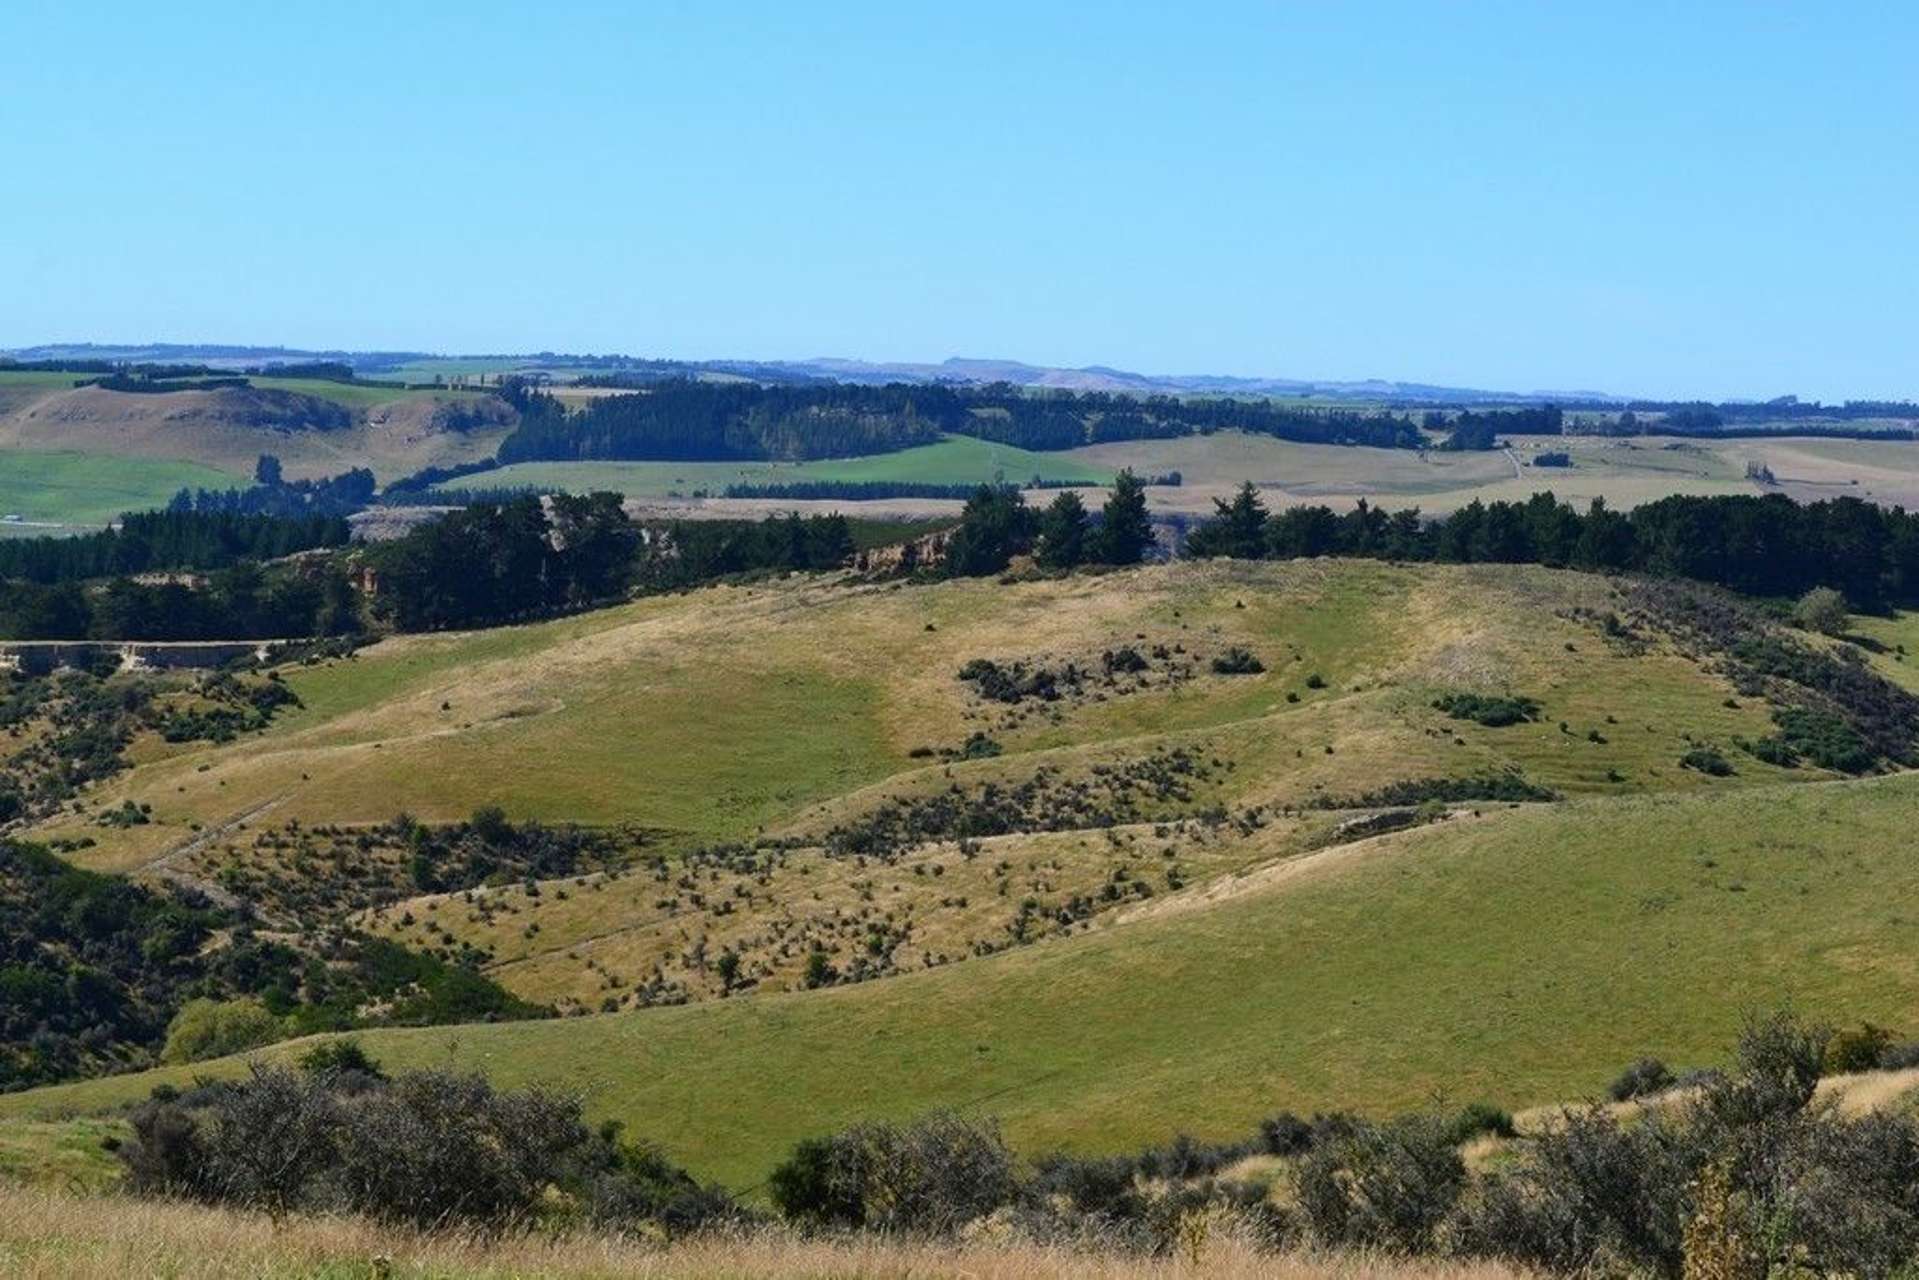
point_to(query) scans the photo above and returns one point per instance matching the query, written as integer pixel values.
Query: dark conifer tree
(1062, 532)
(1125, 530)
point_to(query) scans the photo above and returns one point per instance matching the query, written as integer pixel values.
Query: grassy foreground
(1523, 957)
(46, 1235)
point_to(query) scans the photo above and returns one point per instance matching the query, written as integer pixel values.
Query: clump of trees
(683, 419)
(997, 525)
(492, 563)
(168, 541)
(273, 494)
(1761, 546)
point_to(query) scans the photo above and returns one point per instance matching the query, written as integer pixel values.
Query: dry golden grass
(45, 1235)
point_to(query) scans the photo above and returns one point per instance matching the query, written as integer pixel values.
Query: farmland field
(954, 460)
(354, 396)
(1625, 472)
(88, 490)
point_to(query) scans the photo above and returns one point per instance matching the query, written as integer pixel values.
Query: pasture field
(713, 714)
(1146, 969)
(954, 460)
(391, 432)
(356, 397)
(1522, 955)
(1625, 472)
(447, 367)
(88, 490)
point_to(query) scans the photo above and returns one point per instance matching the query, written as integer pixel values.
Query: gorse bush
(1495, 711)
(1864, 1049)
(1706, 760)
(1237, 662)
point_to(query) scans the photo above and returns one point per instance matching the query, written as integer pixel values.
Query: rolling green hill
(1523, 955)
(1155, 917)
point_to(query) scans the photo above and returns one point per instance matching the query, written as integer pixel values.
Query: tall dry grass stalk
(44, 1235)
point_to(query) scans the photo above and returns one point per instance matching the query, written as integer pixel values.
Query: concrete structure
(39, 657)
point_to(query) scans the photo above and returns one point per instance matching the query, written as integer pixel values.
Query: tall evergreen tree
(995, 524)
(1238, 529)
(1062, 532)
(1125, 529)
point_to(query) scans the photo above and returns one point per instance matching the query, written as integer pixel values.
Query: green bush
(1237, 662)
(1821, 609)
(1860, 1050)
(1642, 1079)
(930, 1176)
(1707, 760)
(1495, 711)
(214, 1028)
(1480, 1118)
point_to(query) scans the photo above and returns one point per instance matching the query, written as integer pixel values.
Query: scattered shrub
(1237, 662)
(1823, 610)
(1385, 1186)
(926, 1177)
(1707, 760)
(1863, 1049)
(214, 1028)
(428, 1148)
(1644, 1078)
(1495, 711)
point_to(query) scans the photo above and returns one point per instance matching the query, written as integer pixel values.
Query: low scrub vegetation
(99, 974)
(1418, 791)
(425, 1148)
(1746, 1173)
(1493, 710)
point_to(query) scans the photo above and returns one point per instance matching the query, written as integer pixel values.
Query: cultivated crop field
(1625, 472)
(954, 460)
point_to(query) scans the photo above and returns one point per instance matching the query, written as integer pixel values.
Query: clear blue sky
(1711, 198)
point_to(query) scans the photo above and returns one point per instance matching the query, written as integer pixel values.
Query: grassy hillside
(1523, 956)
(954, 460)
(91, 489)
(714, 714)
(392, 432)
(1202, 943)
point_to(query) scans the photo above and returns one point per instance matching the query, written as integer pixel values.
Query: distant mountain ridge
(956, 369)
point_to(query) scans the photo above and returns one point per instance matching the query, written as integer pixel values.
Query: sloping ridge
(1522, 957)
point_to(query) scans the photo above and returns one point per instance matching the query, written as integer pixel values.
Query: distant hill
(954, 369)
